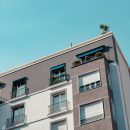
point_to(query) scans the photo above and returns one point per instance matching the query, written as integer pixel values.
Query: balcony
(58, 107)
(58, 79)
(16, 121)
(87, 59)
(92, 119)
(2, 100)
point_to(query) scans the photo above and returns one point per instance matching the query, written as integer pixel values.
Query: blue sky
(30, 29)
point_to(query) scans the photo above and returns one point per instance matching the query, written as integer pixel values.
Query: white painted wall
(36, 109)
(45, 124)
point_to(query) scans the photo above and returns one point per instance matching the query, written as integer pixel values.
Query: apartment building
(85, 87)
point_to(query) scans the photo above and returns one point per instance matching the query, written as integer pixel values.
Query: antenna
(71, 44)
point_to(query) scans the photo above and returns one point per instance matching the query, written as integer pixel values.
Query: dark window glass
(58, 74)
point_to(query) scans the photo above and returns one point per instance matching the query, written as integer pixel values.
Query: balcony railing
(2, 100)
(92, 119)
(58, 107)
(14, 121)
(87, 59)
(20, 92)
(90, 86)
(57, 79)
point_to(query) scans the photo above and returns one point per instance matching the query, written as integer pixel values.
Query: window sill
(101, 117)
(80, 92)
(15, 126)
(57, 85)
(58, 113)
(18, 98)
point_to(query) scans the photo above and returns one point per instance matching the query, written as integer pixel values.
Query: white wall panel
(36, 109)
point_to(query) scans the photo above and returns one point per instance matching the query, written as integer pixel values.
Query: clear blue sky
(30, 29)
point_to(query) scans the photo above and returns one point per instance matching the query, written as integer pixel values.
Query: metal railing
(58, 107)
(20, 92)
(57, 79)
(90, 86)
(92, 119)
(11, 122)
(84, 61)
(2, 100)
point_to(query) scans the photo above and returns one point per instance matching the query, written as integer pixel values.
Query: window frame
(60, 120)
(85, 104)
(17, 106)
(62, 102)
(87, 73)
(51, 73)
(15, 87)
(55, 93)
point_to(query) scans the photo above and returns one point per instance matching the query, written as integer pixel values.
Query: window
(58, 74)
(59, 102)
(61, 125)
(2, 86)
(18, 116)
(89, 81)
(18, 112)
(91, 112)
(60, 97)
(19, 87)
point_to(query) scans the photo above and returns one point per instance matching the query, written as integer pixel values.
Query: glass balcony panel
(58, 107)
(11, 122)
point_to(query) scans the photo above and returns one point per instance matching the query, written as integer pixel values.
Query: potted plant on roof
(87, 58)
(104, 28)
(76, 63)
(99, 54)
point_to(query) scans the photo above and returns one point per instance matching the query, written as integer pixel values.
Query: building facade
(85, 87)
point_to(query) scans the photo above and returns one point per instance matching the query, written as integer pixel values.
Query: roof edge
(118, 47)
(90, 41)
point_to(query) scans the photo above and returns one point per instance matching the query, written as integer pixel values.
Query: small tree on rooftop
(104, 28)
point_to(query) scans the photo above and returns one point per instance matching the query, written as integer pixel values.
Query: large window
(58, 74)
(19, 87)
(18, 116)
(91, 112)
(59, 102)
(89, 81)
(17, 112)
(61, 125)
(59, 97)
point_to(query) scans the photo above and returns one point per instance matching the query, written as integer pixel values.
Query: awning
(2, 85)
(101, 48)
(21, 79)
(57, 67)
